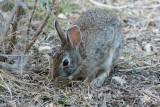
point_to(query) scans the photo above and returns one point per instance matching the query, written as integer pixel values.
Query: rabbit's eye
(65, 62)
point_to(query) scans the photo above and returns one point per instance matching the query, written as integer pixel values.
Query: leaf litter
(138, 68)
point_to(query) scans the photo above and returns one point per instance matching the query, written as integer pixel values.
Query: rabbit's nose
(69, 72)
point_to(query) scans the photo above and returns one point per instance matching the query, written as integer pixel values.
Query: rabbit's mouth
(66, 71)
(74, 74)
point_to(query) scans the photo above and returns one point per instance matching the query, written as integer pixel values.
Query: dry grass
(24, 76)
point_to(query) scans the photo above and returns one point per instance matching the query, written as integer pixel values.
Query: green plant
(62, 100)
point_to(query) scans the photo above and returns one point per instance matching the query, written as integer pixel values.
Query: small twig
(149, 20)
(53, 1)
(11, 77)
(4, 55)
(13, 68)
(107, 6)
(30, 19)
(10, 18)
(16, 19)
(139, 68)
(1, 15)
(150, 95)
(6, 86)
(14, 28)
(7, 6)
(5, 65)
(124, 6)
(38, 32)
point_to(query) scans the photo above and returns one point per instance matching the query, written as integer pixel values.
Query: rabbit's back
(95, 20)
(100, 32)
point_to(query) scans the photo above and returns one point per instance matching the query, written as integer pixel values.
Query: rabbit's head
(67, 59)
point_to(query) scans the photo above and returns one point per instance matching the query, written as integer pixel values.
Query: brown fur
(94, 55)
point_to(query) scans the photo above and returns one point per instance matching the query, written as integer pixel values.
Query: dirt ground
(134, 82)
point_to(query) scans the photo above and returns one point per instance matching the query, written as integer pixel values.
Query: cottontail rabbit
(89, 48)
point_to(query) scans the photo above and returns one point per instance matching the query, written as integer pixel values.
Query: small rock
(51, 105)
(148, 48)
(46, 49)
(62, 16)
(157, 40)
(118, 80)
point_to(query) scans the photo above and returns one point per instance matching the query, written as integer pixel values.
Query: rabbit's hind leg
(106, 68)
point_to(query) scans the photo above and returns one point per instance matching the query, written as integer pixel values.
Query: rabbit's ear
(74, 36)
(61, 33)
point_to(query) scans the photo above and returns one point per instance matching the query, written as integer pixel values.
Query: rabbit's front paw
(97, 82)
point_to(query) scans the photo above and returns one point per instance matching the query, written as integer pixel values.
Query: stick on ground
(30, 19)
(38, 32)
